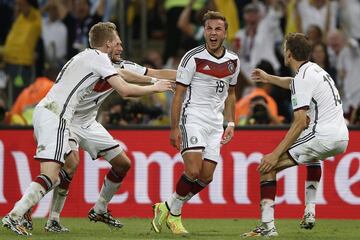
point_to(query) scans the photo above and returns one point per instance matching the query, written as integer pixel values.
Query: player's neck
(295, 65)
(102, 49)
(218, 52)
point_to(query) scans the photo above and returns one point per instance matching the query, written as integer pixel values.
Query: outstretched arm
(162, 73)
(259, 75)
(130, 90)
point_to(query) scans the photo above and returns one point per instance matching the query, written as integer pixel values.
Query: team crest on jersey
(193, 140)
(231, 67)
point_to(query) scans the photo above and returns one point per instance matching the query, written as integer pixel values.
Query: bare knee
(192, 173)
(121, 164)
(72, 162)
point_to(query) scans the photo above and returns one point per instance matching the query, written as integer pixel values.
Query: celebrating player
(53, 116)
(318, 131)
(206, 78)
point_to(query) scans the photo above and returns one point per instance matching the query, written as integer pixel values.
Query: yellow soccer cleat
(160, 211)
(175, 225)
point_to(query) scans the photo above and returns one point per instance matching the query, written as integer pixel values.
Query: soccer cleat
(14, 225)
(261, 231)
(254, 233)
(105, 218)
(269, 232)
(175, 225)
(55, 227)
(160, 211)
(308, 221)
(26, 221)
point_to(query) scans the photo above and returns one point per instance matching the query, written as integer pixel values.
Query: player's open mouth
(213, 40)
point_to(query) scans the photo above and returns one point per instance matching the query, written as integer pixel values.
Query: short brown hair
(101, 32)
(214, 15)
(299, 46)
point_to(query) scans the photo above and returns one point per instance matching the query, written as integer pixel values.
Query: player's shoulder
(96, 55)
(232, 55)
(191, 54)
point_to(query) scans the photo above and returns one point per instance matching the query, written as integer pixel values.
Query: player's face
(214, 34)
(115, 49)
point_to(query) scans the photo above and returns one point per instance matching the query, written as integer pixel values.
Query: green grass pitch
(207, 229)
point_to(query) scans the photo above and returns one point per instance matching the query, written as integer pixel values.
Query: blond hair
(102, 32)
(214, 15)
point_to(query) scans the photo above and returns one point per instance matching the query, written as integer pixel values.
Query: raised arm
(184, 23)
(259, 75)
(130, 90)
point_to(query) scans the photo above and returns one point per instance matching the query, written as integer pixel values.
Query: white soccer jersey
(87, 109)
(208, 79)
(76, 80)
(313, 87)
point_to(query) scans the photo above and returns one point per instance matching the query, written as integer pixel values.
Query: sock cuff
(65, 180)
(113, 176)
(44, 181)
(187, 179)
(268, 183)
(201, 183)
(313, 173)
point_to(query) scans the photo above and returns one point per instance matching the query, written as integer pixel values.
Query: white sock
(57, 204)
(267, 213)
(310, 196)
(108, 190)
(176, 202)
(33, 194)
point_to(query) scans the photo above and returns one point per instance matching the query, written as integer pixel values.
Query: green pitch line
(206, 229)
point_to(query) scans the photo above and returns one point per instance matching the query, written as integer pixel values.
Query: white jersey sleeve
(301, 92)
(186, 69)
(233, 80)
(134, 67)
(103, 66)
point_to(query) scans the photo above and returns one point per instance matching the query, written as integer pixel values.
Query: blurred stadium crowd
(37, 37)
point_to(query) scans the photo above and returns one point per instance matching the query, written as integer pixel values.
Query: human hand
(175, 138)
(268, 162)
(259, 75)
(163, 85)
(228, 134)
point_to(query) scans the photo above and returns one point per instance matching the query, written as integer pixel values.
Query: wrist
(153, 80)
(231, 124)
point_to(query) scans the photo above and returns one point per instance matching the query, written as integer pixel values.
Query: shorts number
(334, 91)
(220, 86)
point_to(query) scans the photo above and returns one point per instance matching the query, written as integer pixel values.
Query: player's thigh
(52, 136)
(192, 137)
(98, 142)
(212, 147)
(314, 149)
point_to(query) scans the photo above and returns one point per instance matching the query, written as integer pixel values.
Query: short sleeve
(234, 78)
(186, 70)
(103, 66)
(301, 92)
(134, 67)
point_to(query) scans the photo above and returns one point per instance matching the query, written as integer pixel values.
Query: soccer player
(91, 136)
(205, 88)
(53, 115)
(318, 130)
